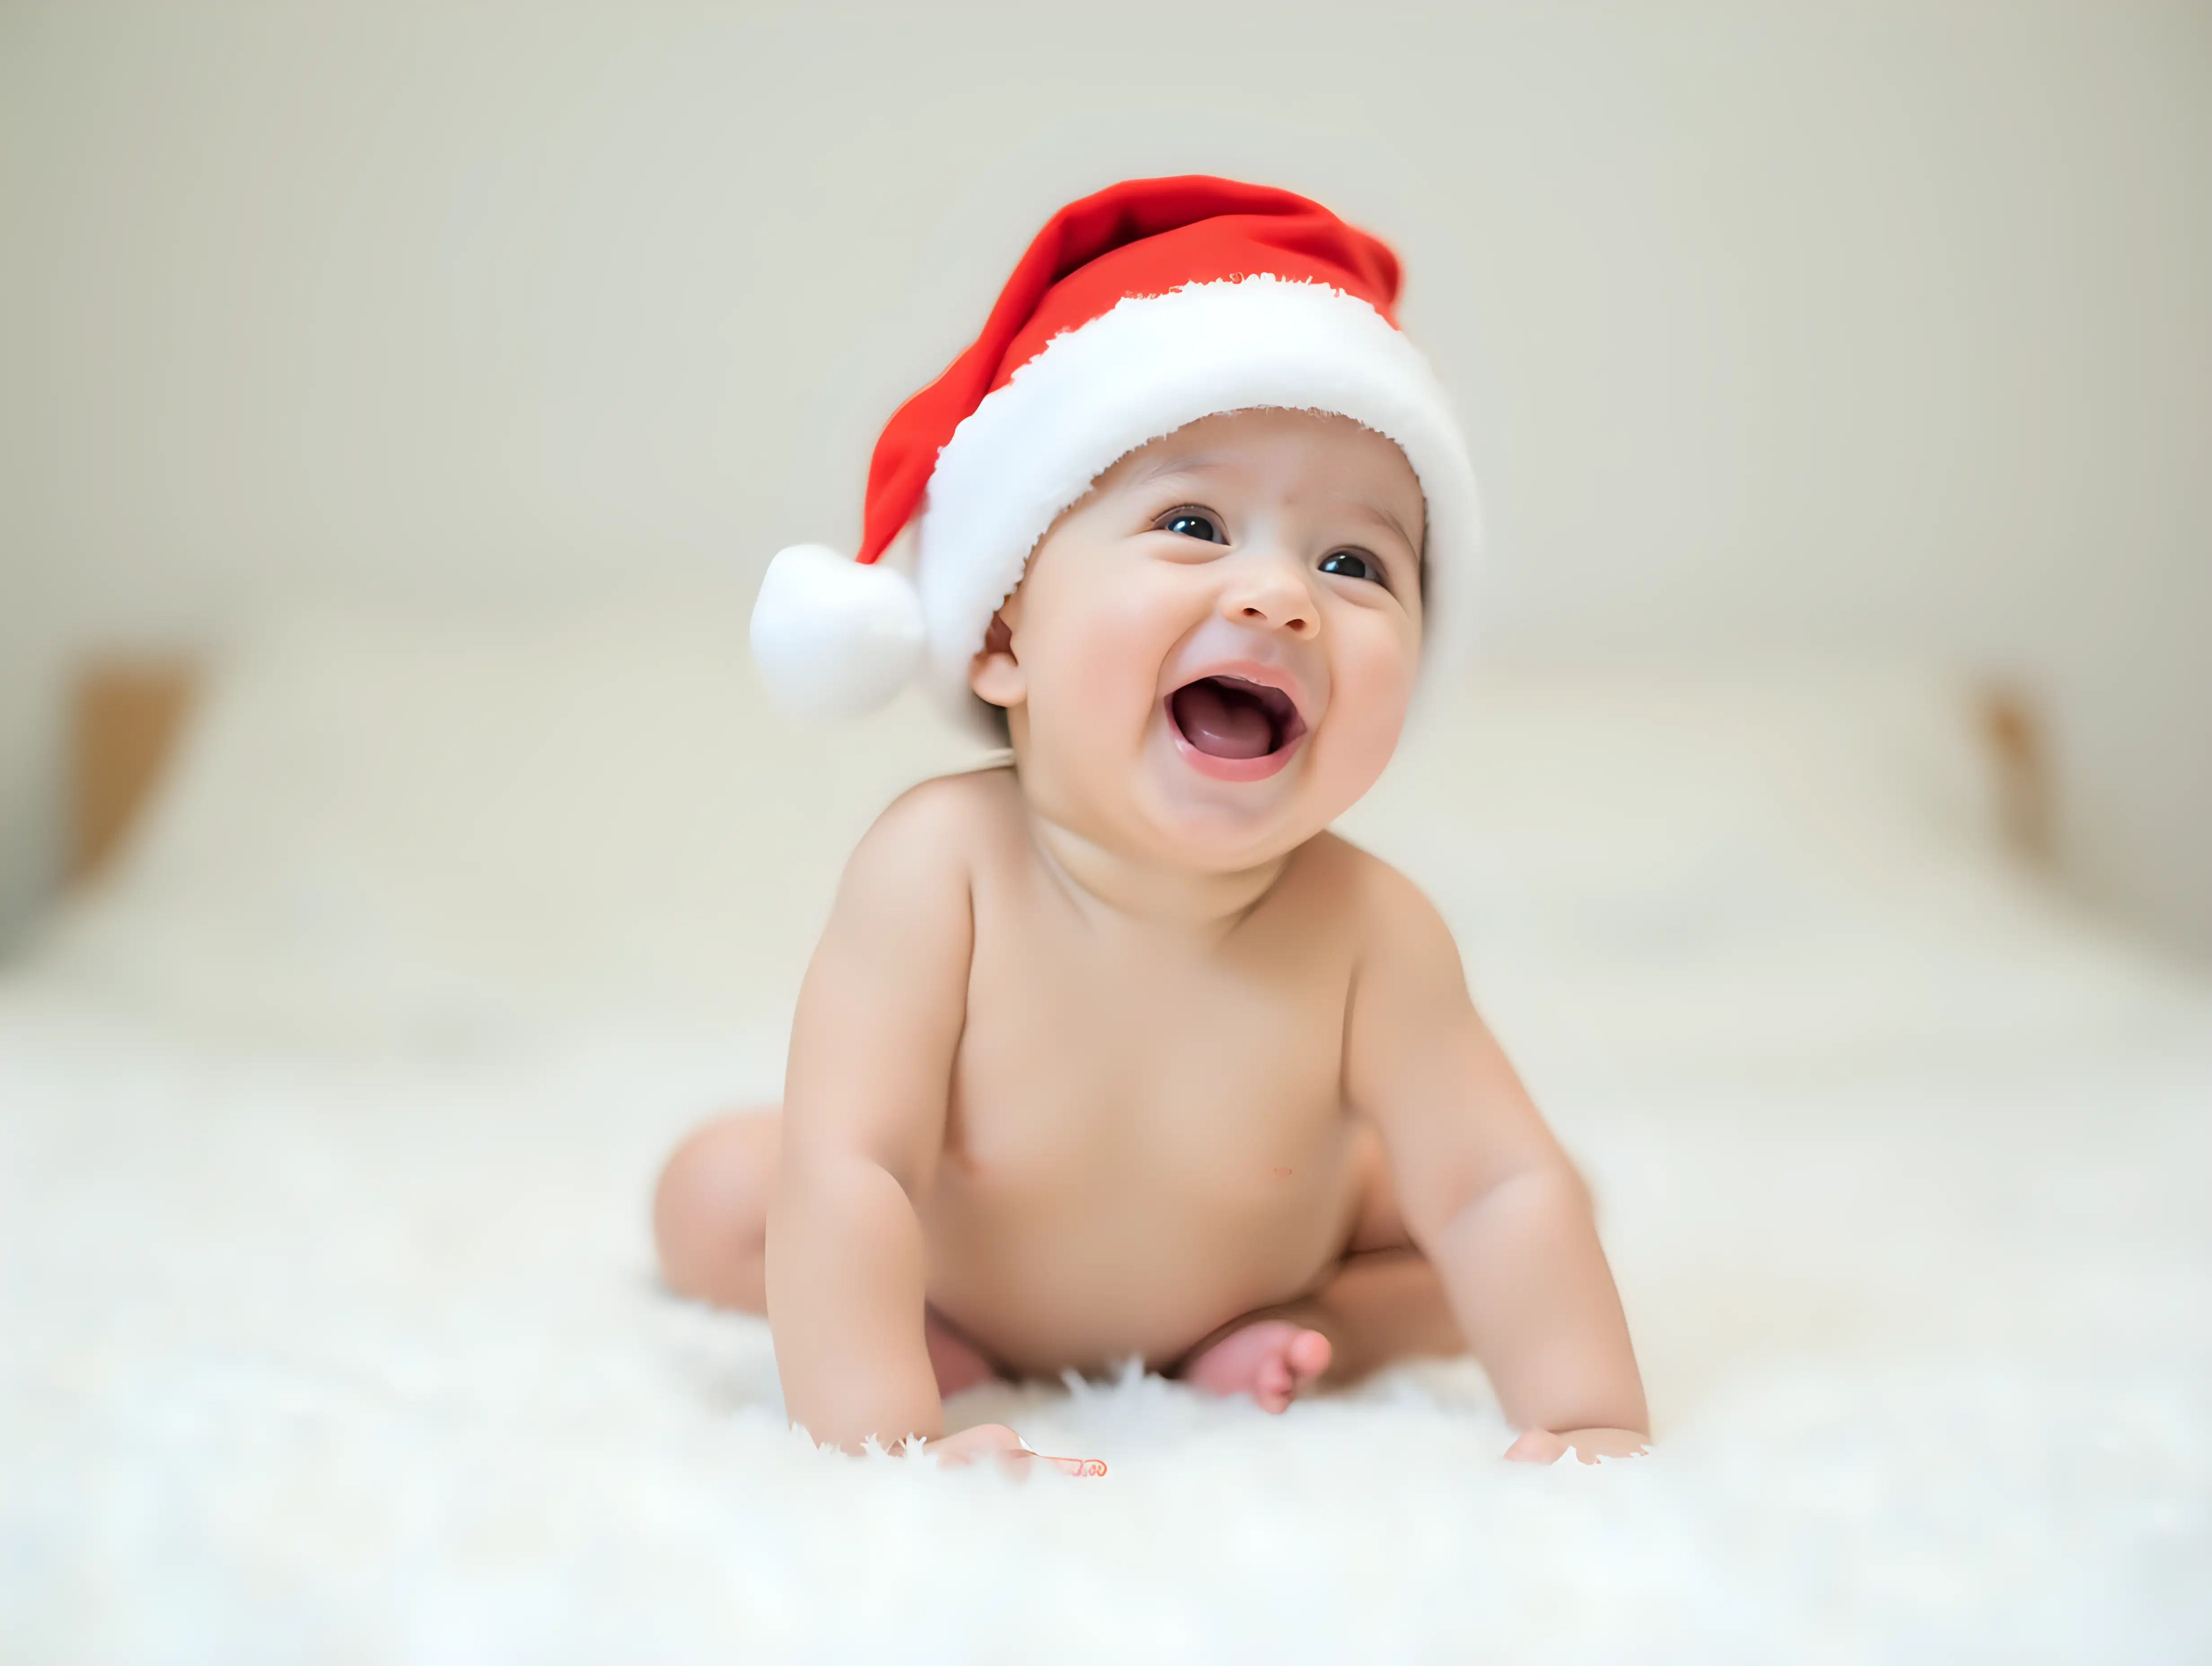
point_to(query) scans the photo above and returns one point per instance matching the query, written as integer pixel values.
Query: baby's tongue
(1221, 724)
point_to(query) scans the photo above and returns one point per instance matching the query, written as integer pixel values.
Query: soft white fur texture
(833, 638)
(1144, 369)
(329, 1329)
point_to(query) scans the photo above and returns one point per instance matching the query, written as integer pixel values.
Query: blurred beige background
(1780, 330)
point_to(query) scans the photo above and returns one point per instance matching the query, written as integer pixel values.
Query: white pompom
(833, 638)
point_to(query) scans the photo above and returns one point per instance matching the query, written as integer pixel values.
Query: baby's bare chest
(1146, 1130)
(1137, 1146)
(1114, 1059)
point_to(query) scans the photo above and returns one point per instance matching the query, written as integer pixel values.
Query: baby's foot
(1270, 1360)
(954, 1358)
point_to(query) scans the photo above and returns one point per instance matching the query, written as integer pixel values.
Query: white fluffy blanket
(342, 1342)
(304, 1364)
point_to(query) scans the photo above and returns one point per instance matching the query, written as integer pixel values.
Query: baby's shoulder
(1382, 910)
(940, 826)
(1333, 862)
(968, 802)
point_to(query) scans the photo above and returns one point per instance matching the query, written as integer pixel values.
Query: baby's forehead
(1250, 441)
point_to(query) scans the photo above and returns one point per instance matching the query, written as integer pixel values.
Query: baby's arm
(872, 1048)
(1485, 1191)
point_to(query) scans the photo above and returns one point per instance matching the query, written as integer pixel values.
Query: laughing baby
(1117, 1050)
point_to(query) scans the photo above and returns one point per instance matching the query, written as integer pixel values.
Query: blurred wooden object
(2014, 733)
(124, 719)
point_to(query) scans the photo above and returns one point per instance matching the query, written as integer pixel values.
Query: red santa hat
(1135, 311)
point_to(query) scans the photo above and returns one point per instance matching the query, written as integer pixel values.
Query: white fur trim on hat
(833, 638)
(1144, 369)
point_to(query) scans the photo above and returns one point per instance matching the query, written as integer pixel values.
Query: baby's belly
(1052, 1267)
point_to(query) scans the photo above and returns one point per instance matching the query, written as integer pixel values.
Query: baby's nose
(1276, 599)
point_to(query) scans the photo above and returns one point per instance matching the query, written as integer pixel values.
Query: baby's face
(1211, 656)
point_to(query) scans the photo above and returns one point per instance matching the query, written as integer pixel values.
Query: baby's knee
(710, 1208)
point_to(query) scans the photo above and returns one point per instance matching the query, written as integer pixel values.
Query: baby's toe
(1269, 1360)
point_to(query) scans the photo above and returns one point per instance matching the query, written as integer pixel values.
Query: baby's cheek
(1371, 690)
(1112, 659)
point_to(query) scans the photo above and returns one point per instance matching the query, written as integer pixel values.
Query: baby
(1118, 1050)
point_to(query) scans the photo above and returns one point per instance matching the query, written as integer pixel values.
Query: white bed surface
(325, 1134)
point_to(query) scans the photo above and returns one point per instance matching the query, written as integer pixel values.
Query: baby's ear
(994, 673)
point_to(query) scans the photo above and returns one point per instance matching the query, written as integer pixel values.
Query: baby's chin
(1219, 820)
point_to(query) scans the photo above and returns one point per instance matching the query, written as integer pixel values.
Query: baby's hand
(1542, 1446)
(996, 1439)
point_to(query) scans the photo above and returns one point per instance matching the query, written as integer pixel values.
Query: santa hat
(1135, 311)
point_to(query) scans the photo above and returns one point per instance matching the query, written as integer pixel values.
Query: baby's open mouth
(1229, 717)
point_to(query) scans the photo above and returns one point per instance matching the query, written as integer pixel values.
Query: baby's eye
(1191, 523)
(1350, 565)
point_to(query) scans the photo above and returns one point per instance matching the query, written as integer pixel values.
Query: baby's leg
(710, 1224)
(1379, 1306)
(710, 1209)
(1383, 1301)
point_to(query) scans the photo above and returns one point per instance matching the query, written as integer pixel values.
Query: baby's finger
(1073, 1466)
(1591, 1444)
(1537, 1446)
(1545, 1446)
(984, 1439)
